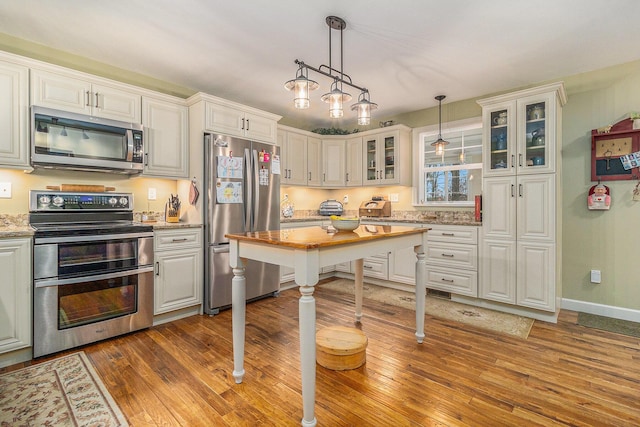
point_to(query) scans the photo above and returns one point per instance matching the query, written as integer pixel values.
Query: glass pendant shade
(363, 107)
(335, 99)
(440, 143)
(301, 86)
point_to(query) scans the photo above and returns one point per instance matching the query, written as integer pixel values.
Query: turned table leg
(421, 290)
(307, 313)
(358, 288)
(238, 308)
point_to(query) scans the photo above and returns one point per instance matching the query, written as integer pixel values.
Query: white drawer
(452, 255)
(177, 239)
(453, 234)
(375, 267)
(462, 282)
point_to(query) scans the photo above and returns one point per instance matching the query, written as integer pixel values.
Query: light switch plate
(152, 194)
(5, 190)
(393, 197)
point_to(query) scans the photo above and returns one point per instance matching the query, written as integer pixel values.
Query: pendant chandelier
(302, 85)
(440, 143)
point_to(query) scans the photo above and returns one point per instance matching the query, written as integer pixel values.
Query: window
(455, 177)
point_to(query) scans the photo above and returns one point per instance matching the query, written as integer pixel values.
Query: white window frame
(431, 132)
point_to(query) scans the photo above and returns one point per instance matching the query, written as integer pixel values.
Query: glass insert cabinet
(381, 154)
(520, 136)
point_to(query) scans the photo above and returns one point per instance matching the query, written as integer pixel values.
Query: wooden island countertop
(316, 237)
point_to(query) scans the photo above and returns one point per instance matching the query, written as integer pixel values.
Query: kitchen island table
(307, 250)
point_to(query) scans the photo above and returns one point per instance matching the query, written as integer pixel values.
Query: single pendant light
(335, 99)
(440, 143)
(363, 108)
(301, 86)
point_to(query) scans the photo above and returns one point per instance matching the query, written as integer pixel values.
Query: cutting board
(85, 188)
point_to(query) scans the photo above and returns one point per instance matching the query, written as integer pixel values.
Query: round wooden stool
(341, 348)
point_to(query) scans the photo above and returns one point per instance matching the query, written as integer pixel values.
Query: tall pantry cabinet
(521, 218)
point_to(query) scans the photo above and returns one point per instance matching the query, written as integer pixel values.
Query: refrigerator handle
(256, 184)
(248, 223)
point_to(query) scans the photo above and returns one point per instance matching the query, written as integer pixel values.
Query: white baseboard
(601, 309)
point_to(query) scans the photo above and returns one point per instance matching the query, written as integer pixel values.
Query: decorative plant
(634, 115)
(333, 131)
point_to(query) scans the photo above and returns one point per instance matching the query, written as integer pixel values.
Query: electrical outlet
(345, 199)
(5, 190)
(152, 194)
(596, 276)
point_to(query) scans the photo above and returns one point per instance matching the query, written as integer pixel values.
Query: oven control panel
(40, 201)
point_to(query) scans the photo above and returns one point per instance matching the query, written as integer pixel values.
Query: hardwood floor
(179, 374)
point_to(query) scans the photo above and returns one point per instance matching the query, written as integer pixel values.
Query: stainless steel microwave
(63, 140)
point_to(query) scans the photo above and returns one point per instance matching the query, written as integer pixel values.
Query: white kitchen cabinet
(354, 164)
(402, 266)
(314, 161)
(14, 120)
(451, 259)
(387, 157)
(333, 162)
(15, 294)
(77, 93)
(178, 269)
(376, 266)
(293, 158)
(166, 138)
(236, 120)
(521, 132)
(521, 206)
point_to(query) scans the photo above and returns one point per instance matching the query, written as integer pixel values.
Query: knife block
(170, 214)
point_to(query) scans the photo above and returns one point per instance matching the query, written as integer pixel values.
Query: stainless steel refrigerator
(242, 194)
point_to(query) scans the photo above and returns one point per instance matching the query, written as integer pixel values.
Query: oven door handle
(71, 281)
(93, 238)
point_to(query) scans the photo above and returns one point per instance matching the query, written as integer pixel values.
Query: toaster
(330, 207)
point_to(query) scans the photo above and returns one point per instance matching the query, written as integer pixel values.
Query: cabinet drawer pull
(97, 103)
(448, 255)
(368, 266)
(448, 234)
(88, 104)
(447, 280)
(184, 239)
(157, 268)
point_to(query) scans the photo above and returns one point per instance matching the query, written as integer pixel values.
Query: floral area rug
(61, 392)
(495, 321)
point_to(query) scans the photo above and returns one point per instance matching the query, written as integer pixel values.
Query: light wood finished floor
(179, 374)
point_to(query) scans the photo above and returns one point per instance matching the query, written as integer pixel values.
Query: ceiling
(404, 51)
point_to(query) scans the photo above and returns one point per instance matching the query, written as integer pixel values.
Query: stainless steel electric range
(92, 269)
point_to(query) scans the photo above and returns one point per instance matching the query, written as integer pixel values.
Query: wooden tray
(81, 188)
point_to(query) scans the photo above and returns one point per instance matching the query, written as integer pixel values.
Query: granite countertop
(12, 226)
(400, 217)
(162, 225)
(15, 226)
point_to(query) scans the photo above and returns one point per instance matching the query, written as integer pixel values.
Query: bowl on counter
(344, 224)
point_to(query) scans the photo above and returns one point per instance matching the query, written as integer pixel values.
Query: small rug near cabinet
(624, 327)
(61, 392)
(495, 321)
